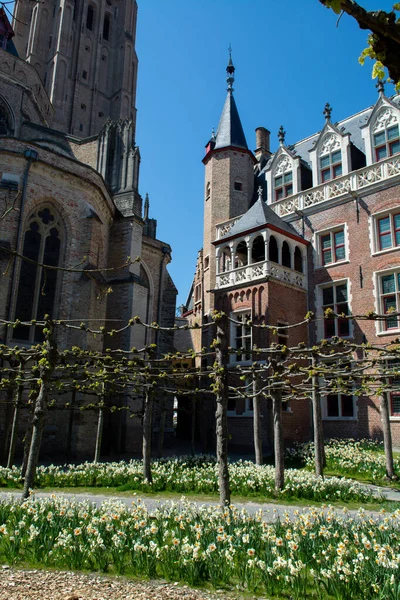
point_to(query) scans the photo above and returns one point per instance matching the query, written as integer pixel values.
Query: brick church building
(69, 193)
(307, 227)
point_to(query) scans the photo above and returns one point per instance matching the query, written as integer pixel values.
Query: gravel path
(57, 585)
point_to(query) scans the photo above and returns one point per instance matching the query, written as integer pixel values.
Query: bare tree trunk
(387, 437)
(99, 433)
(14, 428)
(147, 433)
(257, 424)
(163, 415)
(193, 428)
(27, 445)
(46, 367)
(278, 440)
(317, 422)
(221, 396)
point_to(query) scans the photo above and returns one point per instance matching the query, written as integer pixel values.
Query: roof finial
(381, 87)
(146, 208)
(281, 135)
(327, 111)
(260, 192)
(230, 69)
(213, 134)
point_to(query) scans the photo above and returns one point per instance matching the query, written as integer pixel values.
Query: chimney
(262, 144)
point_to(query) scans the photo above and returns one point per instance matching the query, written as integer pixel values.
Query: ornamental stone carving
(330, 143)
(385, 118)
(284, 165)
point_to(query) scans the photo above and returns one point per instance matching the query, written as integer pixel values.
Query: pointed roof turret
(230, 130)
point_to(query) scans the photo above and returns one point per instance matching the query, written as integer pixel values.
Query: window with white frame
(389, 298)
(332, 246)
(393, 380)
(335, 297)
(337, 404)
(387, 229)
(330, 166)
(242, 404)
(283, 185)
(386, 142)
(241, 337)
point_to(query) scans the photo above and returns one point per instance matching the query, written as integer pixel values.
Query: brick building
(308, 227)
(69, 191)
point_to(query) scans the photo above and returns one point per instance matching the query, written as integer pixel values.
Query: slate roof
(350, 125)
(230, 130)
(259, 214)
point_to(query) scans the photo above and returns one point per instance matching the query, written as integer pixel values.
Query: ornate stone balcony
(253, 272)
(372, 176)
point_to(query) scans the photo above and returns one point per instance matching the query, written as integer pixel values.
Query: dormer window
(283, 186)
(386, 142)
(331, 166)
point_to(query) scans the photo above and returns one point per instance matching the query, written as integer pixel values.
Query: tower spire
(146, 208)
(230, 69)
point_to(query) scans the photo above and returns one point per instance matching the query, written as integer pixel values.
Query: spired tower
(229, 183)
(84, 52)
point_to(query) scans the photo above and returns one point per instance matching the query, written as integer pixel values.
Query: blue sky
(290, 60)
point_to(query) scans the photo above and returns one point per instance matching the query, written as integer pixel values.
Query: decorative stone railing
(255, 271)
(370, 176)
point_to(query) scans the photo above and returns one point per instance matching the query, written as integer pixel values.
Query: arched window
(225, 260)
(298, 260)
(90, 18)
(241, 255)
(286, 255)
(106, 27)
(258, 250)
(273, 249)
(37, 286)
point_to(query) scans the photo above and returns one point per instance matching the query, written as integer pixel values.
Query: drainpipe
(31, 156)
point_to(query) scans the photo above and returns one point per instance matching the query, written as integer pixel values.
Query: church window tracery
(37, 286)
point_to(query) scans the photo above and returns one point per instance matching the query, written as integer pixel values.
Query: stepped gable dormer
(285, 172)
(381, 131)
(330, 156)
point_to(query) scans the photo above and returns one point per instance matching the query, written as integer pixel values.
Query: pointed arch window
(90, 18)
(106, 27)
(37, 286)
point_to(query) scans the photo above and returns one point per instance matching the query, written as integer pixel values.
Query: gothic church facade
(69, 192)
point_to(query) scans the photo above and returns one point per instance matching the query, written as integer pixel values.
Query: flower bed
(348, 457)
(194, 475)
(314, 554)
